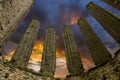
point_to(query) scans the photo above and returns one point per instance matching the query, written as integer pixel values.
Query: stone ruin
(106, 67)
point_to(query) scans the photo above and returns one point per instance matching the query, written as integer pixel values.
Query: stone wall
(11, 14)
(9, 71)
(108, 71)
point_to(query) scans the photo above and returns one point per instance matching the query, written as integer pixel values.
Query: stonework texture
(24, 49)
(98, 51)
(108, 71)
(109, 21)
(73, 60)
(8, 71)
(11, 14)
(114, 3)
(48, 64)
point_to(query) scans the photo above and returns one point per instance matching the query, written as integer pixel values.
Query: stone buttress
(74, 63)
(98, 51)
(108, 20)
(48, 64)
(24, 49)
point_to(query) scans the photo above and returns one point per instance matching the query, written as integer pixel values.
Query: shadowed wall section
(24, 49)
(114, 3)
(74, 63)
(48, 64)
(109, 21)
(11, 13)
(99, 53)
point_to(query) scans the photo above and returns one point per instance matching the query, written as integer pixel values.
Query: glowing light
(60, 53)
(37, 51)
(61, 67)
(74, 20)
(8, 57)
(87, 63)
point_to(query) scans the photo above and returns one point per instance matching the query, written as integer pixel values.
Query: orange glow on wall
(8, 57)
(87, 63)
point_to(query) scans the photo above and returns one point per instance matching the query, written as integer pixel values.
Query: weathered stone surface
(11, 13)
(49, 53)
(74, 63)
(10, 72)
(114, 3)
(98, 51)
(105, 72)
(109, 21)
(24, 49)
(108, 71)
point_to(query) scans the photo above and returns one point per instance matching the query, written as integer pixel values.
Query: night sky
(58, 13)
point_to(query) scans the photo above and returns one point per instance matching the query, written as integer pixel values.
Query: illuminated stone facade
(11, 14)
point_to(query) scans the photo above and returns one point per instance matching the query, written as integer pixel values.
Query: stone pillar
(109, 21)
(114, 3)
(24, 49)
(11, 14)
(74, 63)
(98, 51)
(49, 53)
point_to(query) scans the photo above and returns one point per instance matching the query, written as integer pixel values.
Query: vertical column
(114, 3)
(24, 49)
(74, 63)
(11, 13)
(99, 53)
(49, 53)
(109, 21)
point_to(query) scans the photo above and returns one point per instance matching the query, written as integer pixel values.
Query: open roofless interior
(57, 40)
